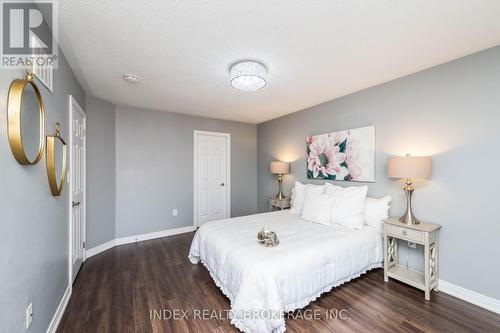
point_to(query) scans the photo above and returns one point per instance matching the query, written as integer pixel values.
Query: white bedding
(262, 283)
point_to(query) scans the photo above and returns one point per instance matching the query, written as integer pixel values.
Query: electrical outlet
(412, 245)
(174, 212)
(29, 315)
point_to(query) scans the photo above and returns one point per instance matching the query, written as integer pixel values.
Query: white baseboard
(99, 248)
(137, 238)
(54, 323)
(470, 296)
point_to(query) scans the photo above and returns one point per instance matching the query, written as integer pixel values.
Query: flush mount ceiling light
(248, 75)
(131, 78)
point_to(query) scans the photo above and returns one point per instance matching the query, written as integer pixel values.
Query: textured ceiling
(315, 50)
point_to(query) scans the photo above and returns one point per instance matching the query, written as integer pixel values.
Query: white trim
(195, 172)
(470, 296)
(54, 323)
(100, 248)
(74, 104)
(138, 238)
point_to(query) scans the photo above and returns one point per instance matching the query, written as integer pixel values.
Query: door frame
(196, 134)
(74, 104)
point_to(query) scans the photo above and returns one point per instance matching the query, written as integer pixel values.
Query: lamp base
(408, 217)
(280, 194)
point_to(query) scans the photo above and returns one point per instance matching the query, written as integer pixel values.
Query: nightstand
(425, 234)
(278, 204)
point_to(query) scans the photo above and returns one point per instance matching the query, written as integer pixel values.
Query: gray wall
(451, 112)
(101, 175)
(34, 225)
(154, 168)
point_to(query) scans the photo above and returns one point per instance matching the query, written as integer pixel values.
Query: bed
(263, 283)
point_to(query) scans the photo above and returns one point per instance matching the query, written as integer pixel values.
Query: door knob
(75, 204)
(221, 184)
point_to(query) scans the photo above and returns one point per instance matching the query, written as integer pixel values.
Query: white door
(212, 175)
(77, 187)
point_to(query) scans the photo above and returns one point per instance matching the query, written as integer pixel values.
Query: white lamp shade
(409, 167)
(280, 167)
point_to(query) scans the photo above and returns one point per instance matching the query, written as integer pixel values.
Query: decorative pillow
(318, 208)
(317, 189)
(377, 210)
(349, 207)
(297, 198)
(300, 192)
(332, 189)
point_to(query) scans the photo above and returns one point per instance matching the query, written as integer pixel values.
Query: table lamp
(409, 167)
(280, 168)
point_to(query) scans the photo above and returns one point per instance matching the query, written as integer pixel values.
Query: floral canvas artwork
(346, 155)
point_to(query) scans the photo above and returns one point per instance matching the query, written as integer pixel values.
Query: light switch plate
(174, 212)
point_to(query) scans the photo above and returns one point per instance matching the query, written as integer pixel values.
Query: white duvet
(263, 283)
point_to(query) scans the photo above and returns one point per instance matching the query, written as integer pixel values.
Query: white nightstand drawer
(405, 233)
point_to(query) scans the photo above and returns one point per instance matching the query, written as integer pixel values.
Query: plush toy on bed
(267, 238)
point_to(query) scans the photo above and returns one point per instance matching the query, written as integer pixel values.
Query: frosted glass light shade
(279, 167)
(248, 76)
(409, 167)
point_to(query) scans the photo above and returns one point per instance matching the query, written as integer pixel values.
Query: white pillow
(299, 195)
(297, 198)
(318, 208)
(377, 210)
(349, 207)
(317, 189)
(332, 189)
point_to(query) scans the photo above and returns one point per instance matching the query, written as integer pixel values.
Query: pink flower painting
(345, 155)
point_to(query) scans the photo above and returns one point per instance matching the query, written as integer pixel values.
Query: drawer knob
(404, 232)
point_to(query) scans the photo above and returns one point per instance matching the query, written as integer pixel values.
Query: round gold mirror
(25, 121)
(53, 164)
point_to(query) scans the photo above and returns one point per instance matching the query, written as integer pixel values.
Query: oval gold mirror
(25, 121)
(53, 164)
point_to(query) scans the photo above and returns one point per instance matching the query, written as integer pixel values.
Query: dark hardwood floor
(116, 290)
